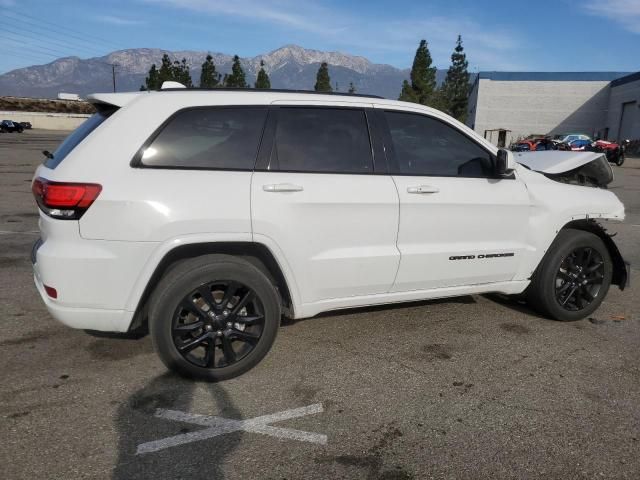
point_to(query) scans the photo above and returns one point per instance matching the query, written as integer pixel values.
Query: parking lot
(470, 387)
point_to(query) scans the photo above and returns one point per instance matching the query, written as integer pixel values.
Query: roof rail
(277, 90)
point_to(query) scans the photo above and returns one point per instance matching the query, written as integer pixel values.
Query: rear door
(316, 196)
(459, 224)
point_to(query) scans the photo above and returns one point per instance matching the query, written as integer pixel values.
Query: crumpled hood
(555, 161)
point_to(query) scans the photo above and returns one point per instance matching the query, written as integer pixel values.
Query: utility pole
(113, 75)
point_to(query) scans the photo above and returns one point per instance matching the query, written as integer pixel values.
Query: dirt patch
(514, 328)
(31, 338)
(436, 351)
(305, 393)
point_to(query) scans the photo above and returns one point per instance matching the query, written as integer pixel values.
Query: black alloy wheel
(214, 317)
(573, 277)
(218, 324)
(579, 279)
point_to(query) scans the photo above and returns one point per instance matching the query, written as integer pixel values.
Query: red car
(613, 151)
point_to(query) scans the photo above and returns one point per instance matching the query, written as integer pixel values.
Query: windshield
(73, 140)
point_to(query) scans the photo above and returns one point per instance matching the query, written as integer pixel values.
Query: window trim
(267, 146)
(393, 165)
(136, 161)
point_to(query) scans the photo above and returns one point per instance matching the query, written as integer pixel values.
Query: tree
(407, 94)
(209, 77)
(455, 89)
(166, 70)
(423, 78)
(262, 81)
(352, 88)
(181, 73)
(152, 81)
(323, 81)
(237, 78)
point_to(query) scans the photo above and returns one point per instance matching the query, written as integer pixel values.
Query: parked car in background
(10, 126)
(546, 144)
(570, 137)
(579, 145)
(614, 152)
(26, 125)
(524, 146)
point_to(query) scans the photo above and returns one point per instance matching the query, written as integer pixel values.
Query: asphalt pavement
(472, 387)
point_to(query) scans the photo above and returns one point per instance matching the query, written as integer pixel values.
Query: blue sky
(558, 35)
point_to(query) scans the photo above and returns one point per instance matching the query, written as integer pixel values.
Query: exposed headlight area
(597, 173)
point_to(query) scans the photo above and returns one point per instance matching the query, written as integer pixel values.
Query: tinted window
(322, 140)
(225, 138)
(79, 134)
(426, 146)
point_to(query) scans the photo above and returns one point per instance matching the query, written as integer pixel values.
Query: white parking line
(9, 232)
(220, 426)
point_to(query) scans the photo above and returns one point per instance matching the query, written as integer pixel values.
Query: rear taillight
(64, 200)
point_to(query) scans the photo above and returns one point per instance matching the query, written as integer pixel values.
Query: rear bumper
(93, 278)
(85, 318)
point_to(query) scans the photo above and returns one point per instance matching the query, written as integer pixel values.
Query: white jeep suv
(206, 215)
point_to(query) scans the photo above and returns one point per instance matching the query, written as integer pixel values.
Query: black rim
(218, 324)
(579, 279)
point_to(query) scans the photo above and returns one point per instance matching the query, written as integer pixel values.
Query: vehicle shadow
(513, 302)
(136, 424)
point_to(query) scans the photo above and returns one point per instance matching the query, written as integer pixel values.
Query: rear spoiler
(112, 99)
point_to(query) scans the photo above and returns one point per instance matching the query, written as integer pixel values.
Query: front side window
(426, 146)
(208, 138)
(329, 140)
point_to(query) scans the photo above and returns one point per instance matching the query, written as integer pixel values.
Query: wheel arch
(620, 267)
(257, 254)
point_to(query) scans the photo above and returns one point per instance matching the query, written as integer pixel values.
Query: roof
(121, 99)
(552, 76)
(634, 77)
(262, 90)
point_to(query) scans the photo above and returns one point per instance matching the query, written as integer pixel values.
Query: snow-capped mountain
(288, 67)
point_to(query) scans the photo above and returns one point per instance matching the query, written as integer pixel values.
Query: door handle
(423, 189)
(282, 187)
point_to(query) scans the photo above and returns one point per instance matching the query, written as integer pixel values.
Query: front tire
(573, 277)
(214, 317)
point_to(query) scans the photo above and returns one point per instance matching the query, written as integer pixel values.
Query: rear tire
(214, 317)
(573, 278)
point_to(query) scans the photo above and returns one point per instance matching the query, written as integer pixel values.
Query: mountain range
(290, 67)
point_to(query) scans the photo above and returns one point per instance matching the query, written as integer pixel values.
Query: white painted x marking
(220, 426)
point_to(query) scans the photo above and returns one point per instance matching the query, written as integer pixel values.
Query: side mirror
(505, 164)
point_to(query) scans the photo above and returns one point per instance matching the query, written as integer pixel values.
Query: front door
(459, 224)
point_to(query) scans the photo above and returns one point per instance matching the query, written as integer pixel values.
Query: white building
(505, 106)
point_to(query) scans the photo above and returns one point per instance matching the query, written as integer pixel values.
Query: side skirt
(508, 288)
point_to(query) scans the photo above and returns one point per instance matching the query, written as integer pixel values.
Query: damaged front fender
(621, 268)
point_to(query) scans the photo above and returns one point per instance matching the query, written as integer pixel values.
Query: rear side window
(78, 135)
(322, 140)
(208, 138)
(426, 146)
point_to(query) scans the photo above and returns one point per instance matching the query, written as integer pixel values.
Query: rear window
(224, 138)
(322, 140)
(78, 135)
